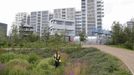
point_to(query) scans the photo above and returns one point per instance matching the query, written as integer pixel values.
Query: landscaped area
(75, 61)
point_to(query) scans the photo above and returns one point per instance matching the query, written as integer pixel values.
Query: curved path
(126, 56)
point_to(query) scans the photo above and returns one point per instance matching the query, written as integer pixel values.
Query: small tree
(118, 33)
(3, 38)
(46, 34)
(14, 36)
(82, 37)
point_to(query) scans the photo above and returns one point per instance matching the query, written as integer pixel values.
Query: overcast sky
(115, 10)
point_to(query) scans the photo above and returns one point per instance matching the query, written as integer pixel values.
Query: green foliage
(17, 67)
(7, 57)
(46, 67)
(41, 62)
(45, 64)
(3, 39)
(33, 58)
(82, 37)
(33, 40)
(117, 33)
(122, 35)
(98, 63)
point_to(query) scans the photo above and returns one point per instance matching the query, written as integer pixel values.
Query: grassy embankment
(75, 61)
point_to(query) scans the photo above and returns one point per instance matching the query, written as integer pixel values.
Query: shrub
(17, 67)
(18, 62)
(33, 58)
(7, 57)
(45, 64)
(22, 56)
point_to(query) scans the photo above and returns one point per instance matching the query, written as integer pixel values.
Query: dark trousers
(57, 63)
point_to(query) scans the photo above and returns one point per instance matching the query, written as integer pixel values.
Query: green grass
(99, 63)
(85, 61)
(120, 46)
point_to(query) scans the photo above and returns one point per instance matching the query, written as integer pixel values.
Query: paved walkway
(124, 55)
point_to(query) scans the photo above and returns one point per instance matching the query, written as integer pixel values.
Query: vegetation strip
(40, 62)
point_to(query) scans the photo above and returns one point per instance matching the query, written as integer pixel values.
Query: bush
(33, 58)
(46, 64)
(17, 67)
(129, 45)
(7, 57)
(45, 67)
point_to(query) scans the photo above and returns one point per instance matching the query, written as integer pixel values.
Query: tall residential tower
(39, 20)
(92, 14)
(65, 13)
(78, 23)
(22, 22)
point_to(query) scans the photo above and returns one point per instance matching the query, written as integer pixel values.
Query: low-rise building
(61, 26)
(3, 29)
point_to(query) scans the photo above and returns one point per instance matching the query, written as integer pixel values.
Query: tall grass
(75, 61)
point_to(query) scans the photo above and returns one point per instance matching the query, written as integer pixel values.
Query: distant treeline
(122, 35)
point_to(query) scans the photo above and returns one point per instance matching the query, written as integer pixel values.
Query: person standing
(57, 59)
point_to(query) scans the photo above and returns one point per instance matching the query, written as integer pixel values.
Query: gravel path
(126, 56)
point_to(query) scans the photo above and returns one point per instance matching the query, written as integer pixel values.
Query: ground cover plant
(75, 61)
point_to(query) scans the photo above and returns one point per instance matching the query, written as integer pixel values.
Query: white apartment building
(40, 20)
(92, 14)
(78, 23)
(65, 27)
(22, 21)
(65, 20)
(65, 13)
(22, 18)
(130, 24)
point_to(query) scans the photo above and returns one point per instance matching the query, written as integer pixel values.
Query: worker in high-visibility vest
(57, 59)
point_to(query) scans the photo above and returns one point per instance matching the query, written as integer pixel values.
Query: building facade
(22, 18)
(65, 13)
(130, 24)
(22, 21)
(92, 14)
(40, 20)
(65, 27)
(3, 29)
(63, 18)
(78, 23)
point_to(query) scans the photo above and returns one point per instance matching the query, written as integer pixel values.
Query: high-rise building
(40, 20)
(92, 14)
(130, 24)
(3, 29)
(78, 23)
(65, 13)
(22, 18)
(22, 21)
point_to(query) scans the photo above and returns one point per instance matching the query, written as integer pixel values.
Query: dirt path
(124, 55)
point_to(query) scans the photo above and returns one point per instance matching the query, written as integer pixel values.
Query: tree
(14, 36)
(130, 41)
(82, 37)
(3, 38)
(117, 33)
(46, 34)
(122, 35)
